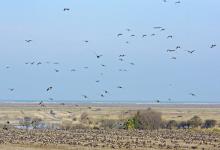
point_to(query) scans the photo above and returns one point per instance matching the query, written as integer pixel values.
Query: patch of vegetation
(195, 122)
(210, 123)
(145, 119)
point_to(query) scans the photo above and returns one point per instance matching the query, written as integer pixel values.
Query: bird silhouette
(169, 37)
(213, 45)
(122, 55)
(120, 34)
(119, 87)
(66, 9)
(158, 27)
(171, 50)
(28, 41)
(144, 35)
(85, 96)
(178, 47)
(49, 88)
(73, 70)
(192, 94)
(191, 51)
(56, 70)
(11, 89)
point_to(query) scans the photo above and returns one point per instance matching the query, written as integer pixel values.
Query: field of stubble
(87, 139)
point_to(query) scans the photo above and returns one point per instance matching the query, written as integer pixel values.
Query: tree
(195, 122)
(148, 119)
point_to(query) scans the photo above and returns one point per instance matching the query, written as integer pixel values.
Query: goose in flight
(178, 47)
(158, 27)
(153, 34)
(66, 9)
(213, 45)
(119, 87)
(49, 88)
(120, 34)
(173, 58)
(171, 50)
(120, 59)
(28, 41)
(122, 55)
(191, 51)
(128, 29)
(192, 94)
(85, 96)
(144, 35)
(56, 70)
(11, 89)
(39, 63)
(169, 37)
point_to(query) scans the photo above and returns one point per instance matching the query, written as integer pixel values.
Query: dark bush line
(151, 120)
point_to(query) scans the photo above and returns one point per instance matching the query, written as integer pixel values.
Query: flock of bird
(121, 58)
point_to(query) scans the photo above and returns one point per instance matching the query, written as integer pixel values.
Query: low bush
(195, 122)
(172, 124)
(209, 123)
(145, 119)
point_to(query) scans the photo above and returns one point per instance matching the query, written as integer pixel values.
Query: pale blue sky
(58, 37)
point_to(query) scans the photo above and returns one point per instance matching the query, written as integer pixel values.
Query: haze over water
(58, 36)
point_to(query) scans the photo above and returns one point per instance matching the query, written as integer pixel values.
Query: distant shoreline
(114, 104)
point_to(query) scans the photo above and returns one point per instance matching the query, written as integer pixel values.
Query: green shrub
(195, 122)
(145, 119)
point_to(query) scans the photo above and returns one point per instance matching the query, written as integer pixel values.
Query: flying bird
(158, 27)
(171, 50)
(144, 35)
(191, 51)
(85, 96)
(178, 47)
(169, 37)
(213, 45)
(11, 89)
(192, 94)
(28, 41)
(120, 34)
(66, 9)
(49, 88)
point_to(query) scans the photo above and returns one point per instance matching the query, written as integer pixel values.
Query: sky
(59, 36)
